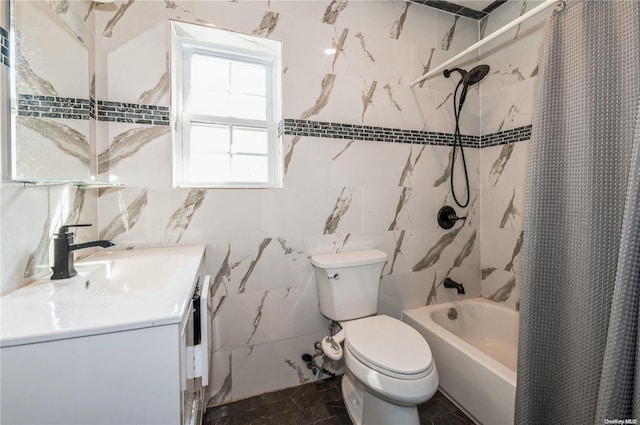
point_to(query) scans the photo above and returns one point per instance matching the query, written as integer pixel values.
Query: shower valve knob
(447, 217)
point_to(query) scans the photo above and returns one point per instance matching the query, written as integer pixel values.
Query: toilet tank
(348, 283)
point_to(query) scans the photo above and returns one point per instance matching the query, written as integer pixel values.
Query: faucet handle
(64, 228)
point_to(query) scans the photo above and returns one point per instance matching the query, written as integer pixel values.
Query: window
(226, 108)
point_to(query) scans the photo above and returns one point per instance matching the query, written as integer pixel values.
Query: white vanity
(124, 342)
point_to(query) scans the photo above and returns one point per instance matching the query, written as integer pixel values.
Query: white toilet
(388, 364)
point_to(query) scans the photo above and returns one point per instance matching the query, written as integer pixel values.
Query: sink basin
(114, 290)
(90, 281)
(109, 273)
(126, 274)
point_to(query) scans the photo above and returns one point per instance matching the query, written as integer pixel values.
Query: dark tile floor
(317, 403)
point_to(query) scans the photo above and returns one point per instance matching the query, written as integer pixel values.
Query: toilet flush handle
(334, 276)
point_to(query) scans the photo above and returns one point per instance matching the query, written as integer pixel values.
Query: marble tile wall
(53, 89)
(30, 215)
(41, 30)
(340, 193)
(507, 99)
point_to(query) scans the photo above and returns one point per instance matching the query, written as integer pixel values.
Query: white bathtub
(476, 355)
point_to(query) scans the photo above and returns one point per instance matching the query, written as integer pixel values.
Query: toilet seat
(389, 346)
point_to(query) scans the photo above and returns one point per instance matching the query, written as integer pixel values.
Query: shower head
(471, 78)
(475, 75)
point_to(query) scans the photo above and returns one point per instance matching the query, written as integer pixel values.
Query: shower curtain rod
(518, 21)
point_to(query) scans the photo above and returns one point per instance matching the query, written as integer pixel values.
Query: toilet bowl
(389, 370)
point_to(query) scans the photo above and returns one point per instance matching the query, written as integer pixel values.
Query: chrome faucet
(63, 247)
(450, 283)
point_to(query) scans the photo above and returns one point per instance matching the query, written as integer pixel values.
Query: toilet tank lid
(348, 259)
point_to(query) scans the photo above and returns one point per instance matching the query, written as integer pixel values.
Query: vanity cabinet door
(129, 377)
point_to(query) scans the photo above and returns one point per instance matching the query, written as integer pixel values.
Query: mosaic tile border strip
(331, 130)
(132, 113)
(518, 134)
(378, 134)
(75, 108)
(280, 128)
(4, 47)
(83, 109)
(467, 12)
(53, 107)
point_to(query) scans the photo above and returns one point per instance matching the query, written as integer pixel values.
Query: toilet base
(365, 408)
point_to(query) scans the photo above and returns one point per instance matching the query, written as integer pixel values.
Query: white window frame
(183, 49)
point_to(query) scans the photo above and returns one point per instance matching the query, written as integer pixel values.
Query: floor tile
(317, 403)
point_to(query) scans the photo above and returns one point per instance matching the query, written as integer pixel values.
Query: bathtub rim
(492, 364)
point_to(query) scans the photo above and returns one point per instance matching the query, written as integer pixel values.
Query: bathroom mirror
(50, 91)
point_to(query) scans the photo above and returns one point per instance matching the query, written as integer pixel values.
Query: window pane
(248, 106)
(245, 168)
(210, 102)
(210, 138)
(248, 78)
(208, 72)
(209, 168)
(250, 140)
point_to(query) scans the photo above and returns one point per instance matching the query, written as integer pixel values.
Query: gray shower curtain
(579, 329)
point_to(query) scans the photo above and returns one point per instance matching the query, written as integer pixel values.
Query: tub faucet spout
(450, 283)
(63, 247)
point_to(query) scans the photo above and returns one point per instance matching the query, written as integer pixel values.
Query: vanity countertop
(115, 290)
